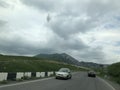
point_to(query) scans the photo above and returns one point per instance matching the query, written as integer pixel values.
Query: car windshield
(64, 70)
(92, 72)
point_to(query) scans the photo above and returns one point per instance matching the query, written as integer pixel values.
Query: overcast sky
(88, 30)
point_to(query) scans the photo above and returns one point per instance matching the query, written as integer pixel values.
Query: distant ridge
(62, 57)
(65, 58)
(1, 55)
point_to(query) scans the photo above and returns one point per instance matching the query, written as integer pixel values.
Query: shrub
(4, 82)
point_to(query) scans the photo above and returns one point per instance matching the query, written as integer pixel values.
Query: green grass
(30, 64)
(114, 72)
(3, 82)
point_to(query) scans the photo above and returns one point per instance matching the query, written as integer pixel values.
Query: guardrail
(20, 75)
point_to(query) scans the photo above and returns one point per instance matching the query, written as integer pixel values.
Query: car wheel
(67, 77)
(56, 77)
(70, 77)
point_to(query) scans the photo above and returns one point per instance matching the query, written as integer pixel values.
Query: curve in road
(79, 81)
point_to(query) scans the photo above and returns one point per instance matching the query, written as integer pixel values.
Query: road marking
(107, 83)
(26, 82)
(21, 83)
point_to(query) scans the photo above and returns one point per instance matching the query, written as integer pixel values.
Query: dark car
(91, 74)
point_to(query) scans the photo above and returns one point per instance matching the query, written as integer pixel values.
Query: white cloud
(85, 29)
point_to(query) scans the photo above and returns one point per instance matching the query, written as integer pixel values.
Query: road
(79, 81)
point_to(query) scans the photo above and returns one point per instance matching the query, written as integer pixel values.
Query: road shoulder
(114, 84)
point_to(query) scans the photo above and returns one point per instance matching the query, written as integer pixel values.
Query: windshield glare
(63, 70)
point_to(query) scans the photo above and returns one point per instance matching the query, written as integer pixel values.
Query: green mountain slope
(65, 58)
(30, 64)
(114, 72)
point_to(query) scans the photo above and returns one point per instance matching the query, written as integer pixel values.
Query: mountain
(65, 58)
(91, 65)
(12, 63)
(1, 55)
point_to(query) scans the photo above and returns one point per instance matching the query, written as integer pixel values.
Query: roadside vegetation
(31, 64)
(114, 72)
(110, 72)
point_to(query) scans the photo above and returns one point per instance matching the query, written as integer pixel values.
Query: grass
(114, 72)
(30, 64)
(3, 82)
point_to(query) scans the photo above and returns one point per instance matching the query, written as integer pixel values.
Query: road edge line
(26, 82)
(107, 83)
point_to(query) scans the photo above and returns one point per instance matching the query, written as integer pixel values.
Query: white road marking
(107, 83)
(21, 83)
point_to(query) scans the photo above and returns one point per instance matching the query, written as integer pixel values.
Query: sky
(88, 30)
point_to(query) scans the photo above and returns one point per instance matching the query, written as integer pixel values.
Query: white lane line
(21, 83)
(107, 83)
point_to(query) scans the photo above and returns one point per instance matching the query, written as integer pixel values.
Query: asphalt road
(79, 81)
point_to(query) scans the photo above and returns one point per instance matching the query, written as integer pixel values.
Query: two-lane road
(79, 81)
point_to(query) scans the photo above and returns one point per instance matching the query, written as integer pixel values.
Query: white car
(64, 73)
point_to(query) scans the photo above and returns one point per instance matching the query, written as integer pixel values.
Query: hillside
(114, 72)
(30, 64)
(92, 65)
(65, 58)
(41, 62)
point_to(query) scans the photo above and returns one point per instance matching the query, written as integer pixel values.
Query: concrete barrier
(3, 76)
(42, 74)
(50, 73)
(38, 74)
(46, 74)
(33, 74)
(19, 75)
(11, 75)
(28, 74)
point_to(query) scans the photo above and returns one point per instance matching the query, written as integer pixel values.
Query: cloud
(66, 26)
(93, 54)
(22, 43)
(45, 5)
(2, 23)
(86, 29)
(72, 17)
(102, 7)
(3, 4)
(69, 17)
